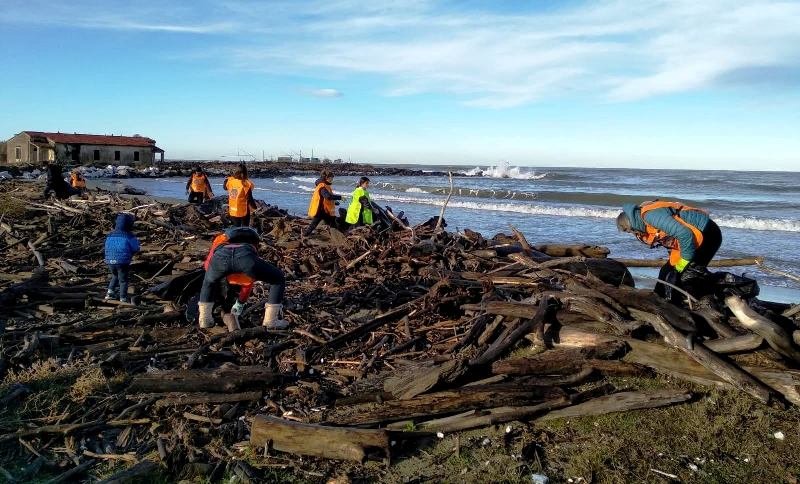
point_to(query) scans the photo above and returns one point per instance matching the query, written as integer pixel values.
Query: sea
(758, 212)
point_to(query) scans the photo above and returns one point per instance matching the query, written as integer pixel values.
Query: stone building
(38, 147)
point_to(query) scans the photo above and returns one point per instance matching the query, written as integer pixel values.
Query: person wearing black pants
(323, 204)
(239, 257)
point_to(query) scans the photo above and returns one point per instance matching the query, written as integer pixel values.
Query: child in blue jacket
(121, 244)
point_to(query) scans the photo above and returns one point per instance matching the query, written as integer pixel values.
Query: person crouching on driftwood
(120, 247)
(198, 187)
(323, 203)
(689, 233)
(234, 256)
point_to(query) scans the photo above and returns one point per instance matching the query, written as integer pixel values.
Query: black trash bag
(670, 275)
(730, 284)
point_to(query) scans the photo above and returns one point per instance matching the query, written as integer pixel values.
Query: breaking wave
(747, 223)
(505, 171)
(415, 190)
(306, 179)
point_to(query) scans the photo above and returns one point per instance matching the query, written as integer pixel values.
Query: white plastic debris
(486, 441)
(440, 435)
(693, 467)
(779, 435)
(539, 479)
(508, 429)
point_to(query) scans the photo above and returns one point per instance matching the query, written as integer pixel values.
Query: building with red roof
(77, 148)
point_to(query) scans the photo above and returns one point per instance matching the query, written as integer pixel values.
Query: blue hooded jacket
(661, 218)
(121, 244)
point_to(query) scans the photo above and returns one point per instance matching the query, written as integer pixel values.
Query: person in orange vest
(323, 203)
(77, 181)
(689, 233)
(198, 187)
(240, 196)
(233, 258)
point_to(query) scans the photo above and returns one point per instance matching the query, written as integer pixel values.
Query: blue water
(759, 212)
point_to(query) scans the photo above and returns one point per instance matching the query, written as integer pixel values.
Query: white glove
(237, 309)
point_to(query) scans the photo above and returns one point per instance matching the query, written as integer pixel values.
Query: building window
(18, 153)
(116, 156)
(96, 155)
(135, 156)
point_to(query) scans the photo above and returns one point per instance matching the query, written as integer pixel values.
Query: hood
(635, 216)
(124, 222)
(242, 235)
(320, 180)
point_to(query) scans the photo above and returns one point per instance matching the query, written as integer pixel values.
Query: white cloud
(610, 50)
(325, 92)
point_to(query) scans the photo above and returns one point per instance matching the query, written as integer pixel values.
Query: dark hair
(240, 172)
(363, 180)
(197, 169)
(325, 174)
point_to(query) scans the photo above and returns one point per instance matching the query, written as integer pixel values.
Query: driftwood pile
(394, 336)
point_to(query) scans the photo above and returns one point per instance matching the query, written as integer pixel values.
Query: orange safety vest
(656, 235)
(329, 206)
(237, 279)
(77, 181)
(238, 191)
(198, 183)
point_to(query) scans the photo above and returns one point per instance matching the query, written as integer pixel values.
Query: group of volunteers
(233, 264)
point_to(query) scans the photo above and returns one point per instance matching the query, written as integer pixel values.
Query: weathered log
(775, 336)
(675, 363)
(744, 261)
(225, 379)
(724, 369)
(504, 343)
(735, 344)
(140, 472)
(70, 475)
(176, 398)
(444, 402)
(566, 250)
(621, 402)
(317, 440)
(419, 379)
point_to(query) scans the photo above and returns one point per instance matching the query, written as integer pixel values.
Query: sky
(712, 84)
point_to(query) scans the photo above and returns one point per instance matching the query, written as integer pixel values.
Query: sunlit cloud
(326, 92)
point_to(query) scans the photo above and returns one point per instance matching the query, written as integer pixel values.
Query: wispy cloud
(326, 92)
(610, 50)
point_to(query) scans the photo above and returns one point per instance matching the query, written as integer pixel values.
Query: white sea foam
(307, 179)
(415, 190)
(505, 171)
(746, 223)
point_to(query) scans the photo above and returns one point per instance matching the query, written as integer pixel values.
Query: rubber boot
(231, 322)
(206, 318)
(272, 316)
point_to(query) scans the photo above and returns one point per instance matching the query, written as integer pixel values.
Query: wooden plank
(621, 402)
(318, 440)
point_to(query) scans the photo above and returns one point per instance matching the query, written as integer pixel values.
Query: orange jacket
(77, 181)
(238, 196)
(654, 234)
(328, 204)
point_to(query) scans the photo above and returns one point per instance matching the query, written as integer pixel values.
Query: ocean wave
(505, 171)
(307, 179)
(414, 190)
(747, 223)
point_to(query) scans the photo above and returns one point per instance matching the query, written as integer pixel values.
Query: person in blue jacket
(689, 233)
(120, 246)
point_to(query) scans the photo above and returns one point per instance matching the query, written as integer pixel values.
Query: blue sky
(685, 84)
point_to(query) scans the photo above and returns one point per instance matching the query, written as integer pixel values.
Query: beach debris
(395, 336)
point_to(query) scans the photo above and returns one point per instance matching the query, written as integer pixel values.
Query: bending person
(360, 210)
(323, 203)
(198, 187)
(235, 253)
(77, 180)
(689, 233)
(240, 197)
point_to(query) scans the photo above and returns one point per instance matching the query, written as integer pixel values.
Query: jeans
(119, 277)
(233, 259)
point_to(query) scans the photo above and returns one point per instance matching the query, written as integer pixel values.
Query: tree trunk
(219, 380)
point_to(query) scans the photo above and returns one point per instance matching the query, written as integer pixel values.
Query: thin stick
(446, 201)
(778, 272)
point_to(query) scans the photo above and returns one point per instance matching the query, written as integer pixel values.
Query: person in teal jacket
(360, 210)
(689, 233)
